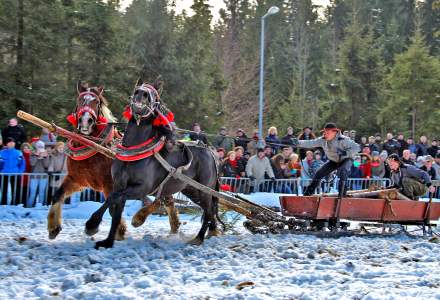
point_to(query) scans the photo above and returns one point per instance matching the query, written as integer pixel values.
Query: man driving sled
(410, 180)
(339, 150)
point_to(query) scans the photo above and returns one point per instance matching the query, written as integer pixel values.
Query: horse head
(146, 99)
(90, 103)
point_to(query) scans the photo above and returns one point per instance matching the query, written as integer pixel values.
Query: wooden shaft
(247, 207)
(35, 120)
(65, 133)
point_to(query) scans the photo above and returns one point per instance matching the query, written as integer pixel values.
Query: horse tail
(215, 203)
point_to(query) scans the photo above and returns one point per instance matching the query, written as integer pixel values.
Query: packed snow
(151, 264)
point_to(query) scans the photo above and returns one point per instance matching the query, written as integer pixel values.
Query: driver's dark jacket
(412, 172)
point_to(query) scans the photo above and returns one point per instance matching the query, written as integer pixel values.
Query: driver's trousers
(343, 170)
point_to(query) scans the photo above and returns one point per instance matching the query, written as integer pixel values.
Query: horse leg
(142, 214)
(68, 187)
(92, 224)
(197, 197)
(173, 214)
(122, 227)
(213, 229)
(116, 201)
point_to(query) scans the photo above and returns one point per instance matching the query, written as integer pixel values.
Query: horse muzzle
(85, 124)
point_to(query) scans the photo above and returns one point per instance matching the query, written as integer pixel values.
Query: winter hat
(375, 153)
(10, 139)
(384, 153)
(330, 126)
(421, 159)
(39, 145)
(428, 158)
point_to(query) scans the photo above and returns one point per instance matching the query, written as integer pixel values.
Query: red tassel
(72, 120)
(225, 187)
(164, 120)
(102, 120)
(170, 116)
(127, 113)
(160, 120)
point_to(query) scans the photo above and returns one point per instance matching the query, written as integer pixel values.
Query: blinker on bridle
(149, 109)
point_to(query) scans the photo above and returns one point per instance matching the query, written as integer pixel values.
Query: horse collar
(83, 152)
(140, 151)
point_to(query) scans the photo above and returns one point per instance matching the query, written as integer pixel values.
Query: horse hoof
(120, 233)
(196, 241)
(54, 232)
(214, 232)
(91, 231)
(137, 221)
(104, 244)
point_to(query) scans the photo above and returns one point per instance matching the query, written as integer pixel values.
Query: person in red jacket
(27, 151)
(230, 166)
(365, 165)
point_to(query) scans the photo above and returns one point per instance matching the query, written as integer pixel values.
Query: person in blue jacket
(12, 164)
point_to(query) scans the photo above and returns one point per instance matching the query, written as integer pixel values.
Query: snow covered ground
(151, 264)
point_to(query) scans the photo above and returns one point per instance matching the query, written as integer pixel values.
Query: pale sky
(215, 4)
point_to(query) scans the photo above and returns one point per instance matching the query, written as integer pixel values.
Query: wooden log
(401, 196)
(382, 194)
(230, 206)
(336, 194)
(65, 133)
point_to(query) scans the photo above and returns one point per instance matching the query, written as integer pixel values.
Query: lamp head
(271, 11)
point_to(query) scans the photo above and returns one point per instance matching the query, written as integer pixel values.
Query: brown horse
(86, 167)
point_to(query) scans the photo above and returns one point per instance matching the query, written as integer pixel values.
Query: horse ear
(100, 89)
(158, 85)
(79, 87)
(138, 82)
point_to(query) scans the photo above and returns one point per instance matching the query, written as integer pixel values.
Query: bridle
(87, 98)
(150, 109)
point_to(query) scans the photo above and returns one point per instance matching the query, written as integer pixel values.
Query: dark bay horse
(143, 176)
(86, 168)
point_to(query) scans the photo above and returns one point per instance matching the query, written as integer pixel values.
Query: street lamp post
(273, 10)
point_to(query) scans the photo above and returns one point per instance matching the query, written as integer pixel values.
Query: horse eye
(90, 121)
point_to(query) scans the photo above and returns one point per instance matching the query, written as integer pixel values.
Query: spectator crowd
(27, 165)
(275, 157)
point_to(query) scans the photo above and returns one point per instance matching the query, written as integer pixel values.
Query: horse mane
(106, 111)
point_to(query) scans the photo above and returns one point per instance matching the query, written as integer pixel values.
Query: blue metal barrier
(30, 189)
